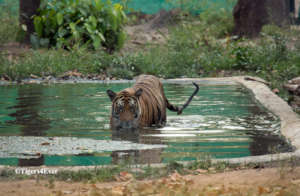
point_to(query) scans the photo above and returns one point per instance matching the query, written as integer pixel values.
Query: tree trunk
(251, 15)
(28, 8)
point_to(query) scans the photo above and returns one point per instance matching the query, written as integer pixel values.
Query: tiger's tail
(180, 109)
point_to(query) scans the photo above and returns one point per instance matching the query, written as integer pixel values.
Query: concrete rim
(290, 121)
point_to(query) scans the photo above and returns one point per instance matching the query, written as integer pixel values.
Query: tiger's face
(125, 110)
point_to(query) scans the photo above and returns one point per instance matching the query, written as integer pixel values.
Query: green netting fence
(194, 6)
(152, 6)
(11, 6)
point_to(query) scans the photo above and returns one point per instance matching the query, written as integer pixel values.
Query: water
(68, 124)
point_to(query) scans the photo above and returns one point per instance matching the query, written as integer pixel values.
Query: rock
(202, 171)
(291, 87)
(67, 192)
(5, 78)
(33, 76)
(138, 170)
(296, 182)
(48, 78)
(294, 101)
(175, 177)
(276, 90)
(102, 77)
(45, 144)
(294, 81)
(124, 176)
(70, 74)
(212, 170)
(137, 42)
(31, 81)
(90, 77)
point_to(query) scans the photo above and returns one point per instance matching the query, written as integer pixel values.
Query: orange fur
(152, 102)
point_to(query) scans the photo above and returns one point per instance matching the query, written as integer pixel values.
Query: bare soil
(270, 181)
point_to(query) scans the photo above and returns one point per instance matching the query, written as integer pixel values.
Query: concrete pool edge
(290, 121)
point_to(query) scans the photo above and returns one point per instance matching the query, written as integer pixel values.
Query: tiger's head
(126, 112)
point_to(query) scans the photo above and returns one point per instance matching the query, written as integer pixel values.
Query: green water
(68, 124)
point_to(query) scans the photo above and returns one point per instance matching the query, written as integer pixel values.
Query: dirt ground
(270, 181)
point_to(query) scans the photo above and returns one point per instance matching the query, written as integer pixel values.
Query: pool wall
(290, 121)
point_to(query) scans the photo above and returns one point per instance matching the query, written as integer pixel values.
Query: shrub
(243, 58)
(220, 22)
(65, 23)
(9, 21)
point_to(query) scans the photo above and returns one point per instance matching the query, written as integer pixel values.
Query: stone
(294, 81)
(276, 91)
(291, 87)
(33, 76)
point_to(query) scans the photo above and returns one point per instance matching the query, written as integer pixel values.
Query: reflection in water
(32, 161)
(221, 121)
(27, 112)
(270, 143)
(27, 116)
(137, 156)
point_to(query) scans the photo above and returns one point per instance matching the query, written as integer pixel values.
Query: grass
(198, 46)
(181, 56)
(114, 173)
(108, 174)
(9, 21)
(170, 179)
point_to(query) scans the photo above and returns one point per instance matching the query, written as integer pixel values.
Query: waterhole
(68, 124)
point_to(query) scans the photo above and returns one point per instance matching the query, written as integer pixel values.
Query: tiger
(142, 105)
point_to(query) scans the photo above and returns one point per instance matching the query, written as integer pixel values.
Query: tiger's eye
(131, 102)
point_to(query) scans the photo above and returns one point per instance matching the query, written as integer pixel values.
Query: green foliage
(53, 62)
(242, 57)
(219, 21)
(197, 46)
(174, 166)
(65, 23)
(198, 6)
(9, 21)
(97, 174)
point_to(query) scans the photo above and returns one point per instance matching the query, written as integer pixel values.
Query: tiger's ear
(138, 92)
(111, 94)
